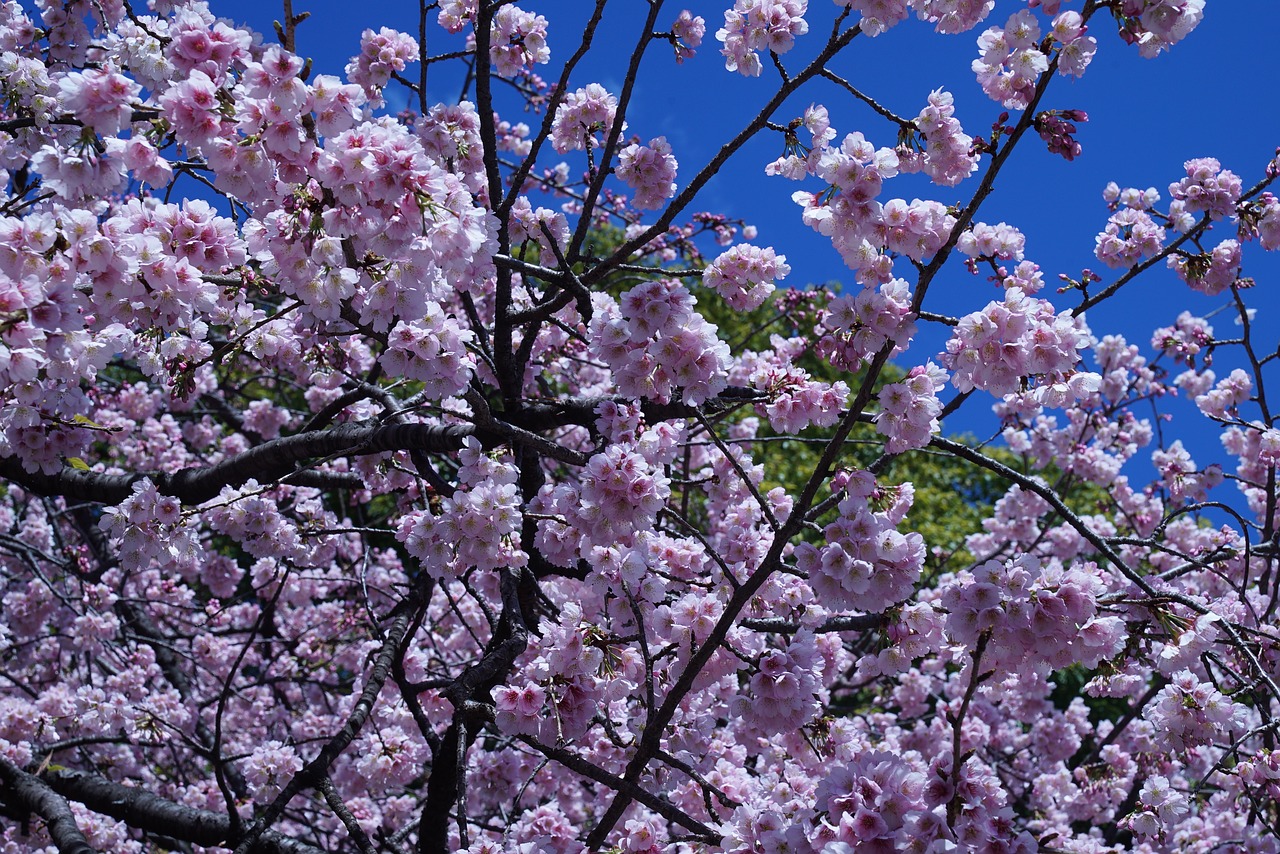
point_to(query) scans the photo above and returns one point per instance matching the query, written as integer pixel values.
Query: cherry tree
(451, 479)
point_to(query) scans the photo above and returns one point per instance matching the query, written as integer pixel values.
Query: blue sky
(1212, 95)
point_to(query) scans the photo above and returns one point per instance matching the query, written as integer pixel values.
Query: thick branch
(278, 459)
(478, 680)
(151, 813)
(847, 623)
(31, 794)
(265, 463)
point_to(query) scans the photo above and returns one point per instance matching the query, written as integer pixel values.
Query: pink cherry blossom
(377, 475)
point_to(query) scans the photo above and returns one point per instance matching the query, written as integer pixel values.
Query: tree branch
(151, 813)
(31, 794)
(270, 461)
(590, 770)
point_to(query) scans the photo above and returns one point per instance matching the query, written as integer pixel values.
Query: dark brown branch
(278, 459)
(850, 623)
(334, 800)
(27, 793)
(509, 640)
(142, 115)
(1030, 484)
(270, 461)
(151, 813)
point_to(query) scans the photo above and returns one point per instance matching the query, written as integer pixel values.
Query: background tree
(432, 480)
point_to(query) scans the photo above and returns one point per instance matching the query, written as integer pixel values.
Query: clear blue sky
(1212, 95)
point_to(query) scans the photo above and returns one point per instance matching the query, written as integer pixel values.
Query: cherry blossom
(388, 472)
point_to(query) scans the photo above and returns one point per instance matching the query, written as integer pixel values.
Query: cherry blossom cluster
(1020, 337)
(744, 275)
(1010, 60)
(1212, 272)
(916, 229)
(786, 687)
(876, 797)
(947, 16)
(269, 768)
(1229, 392)
(1156, 25)
(862, 229)
(1125, 371)
(382, 54)
(620, 493)
(847, 211)
(687, 32)
(866, 563)
(476, 527)
(565, 672)
(1091, 447)
(1160, 805)
(857, 169)
(518, 41)
(1185, 339)
(1075, 49)
(797, 160)
(650, 170)
(148, 527)
(1268, 221)
(948, 155)
(433, 351)
(200, 43)
(1265, 772)
(855, 327)
(754, 25)
(251, 516)
(454, 14)
(276, 99)
(1001, 241)
(527, 226)
(1130, 197)
(878, 16)
(1208, 188)
(1182, 476)
(102, 98)
(655, 343)
(1031, 614)
(1255, 447)
(1189, 712)
(688, 621)
(915, 632)
(909, 410)
(582, 114)
(795, 399)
